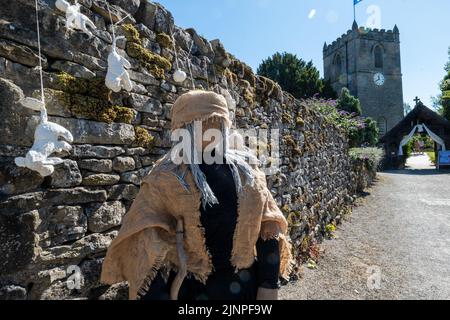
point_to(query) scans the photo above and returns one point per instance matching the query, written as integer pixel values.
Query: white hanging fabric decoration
(179, 76)
(117, 77)
(47, 134)
(432, 135)
(436, 138)
(74, 18)
(46, 142)
(405, 140)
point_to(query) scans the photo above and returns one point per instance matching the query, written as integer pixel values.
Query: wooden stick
(182, 272)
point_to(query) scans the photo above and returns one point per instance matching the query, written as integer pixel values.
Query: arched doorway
(421, 147)
(420, 120)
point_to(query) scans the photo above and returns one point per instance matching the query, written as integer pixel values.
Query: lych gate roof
(420, 113)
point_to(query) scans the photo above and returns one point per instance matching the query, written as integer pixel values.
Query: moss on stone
(243, 71)
(89, 99)
(156, 64)
(286, 117)
(300, 122)
(232, 78)
(164, 40)
(94, 87)
(289, 140)
(286, 209)
(143, 138)
(265, 86)
(131, 34)
(124, 115)
(95, 109)
(305, 244)
(249, 97)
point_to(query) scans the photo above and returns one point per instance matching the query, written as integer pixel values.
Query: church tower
(367, 62)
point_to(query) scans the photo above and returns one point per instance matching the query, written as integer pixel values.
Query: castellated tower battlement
(368, 63)
(363, 33)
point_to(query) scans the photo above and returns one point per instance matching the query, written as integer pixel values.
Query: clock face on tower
(379, 79)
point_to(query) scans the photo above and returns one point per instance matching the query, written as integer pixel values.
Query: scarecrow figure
(200, 231)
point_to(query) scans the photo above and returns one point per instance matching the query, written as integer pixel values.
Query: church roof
(419, 112)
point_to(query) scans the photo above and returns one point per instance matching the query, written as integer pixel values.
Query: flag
(355, 2)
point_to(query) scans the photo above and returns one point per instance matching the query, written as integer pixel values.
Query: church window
(378, 52)
(382, 125)
(338, 64)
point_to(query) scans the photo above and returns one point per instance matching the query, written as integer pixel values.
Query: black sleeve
(268, 264)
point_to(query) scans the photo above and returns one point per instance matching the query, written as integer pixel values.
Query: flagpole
(354, 11)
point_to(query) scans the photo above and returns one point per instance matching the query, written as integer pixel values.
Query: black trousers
(221, 285)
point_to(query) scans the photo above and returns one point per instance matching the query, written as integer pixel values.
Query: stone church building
(367, 62)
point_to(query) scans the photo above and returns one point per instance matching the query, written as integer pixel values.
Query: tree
(447, 66)
(364, 134)
(349, 103)
(444, 98)
(407, 108)
(328, 91)
(296, 76)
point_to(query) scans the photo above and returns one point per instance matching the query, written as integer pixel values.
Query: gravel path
(399, 234)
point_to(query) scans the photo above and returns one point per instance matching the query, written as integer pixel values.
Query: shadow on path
(422, 172)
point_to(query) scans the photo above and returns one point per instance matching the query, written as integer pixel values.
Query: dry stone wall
(53, 227)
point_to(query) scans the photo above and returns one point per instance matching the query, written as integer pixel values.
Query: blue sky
(252, 30)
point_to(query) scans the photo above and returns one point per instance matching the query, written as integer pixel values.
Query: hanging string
(127, 16)
(189, 65)
(112, 23)
(206, 74)
(217, 85)
(39, 52)
(228, 89)
(174, 47)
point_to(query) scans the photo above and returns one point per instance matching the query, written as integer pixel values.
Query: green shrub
(372, 156)
(361, 131)
(349, 103)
